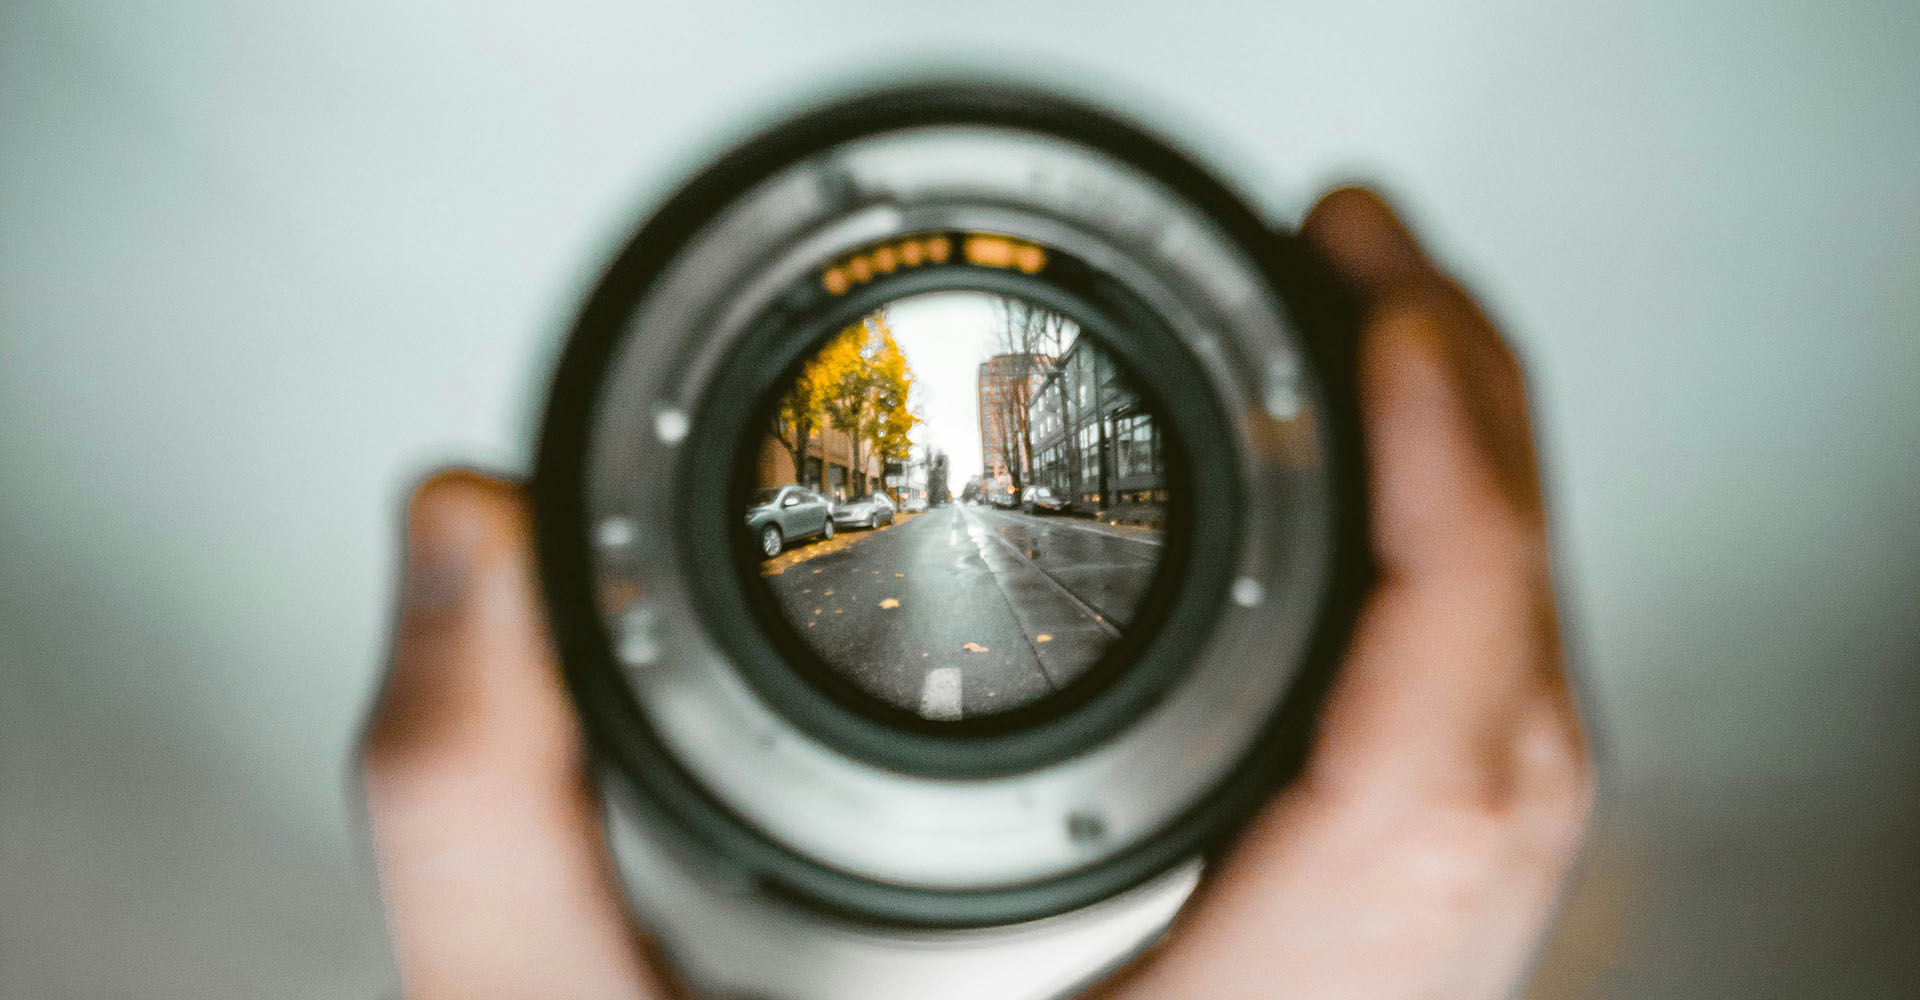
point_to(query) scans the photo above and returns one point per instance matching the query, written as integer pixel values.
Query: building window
(1089, 456)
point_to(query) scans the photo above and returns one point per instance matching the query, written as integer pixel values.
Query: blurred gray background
(262, 264)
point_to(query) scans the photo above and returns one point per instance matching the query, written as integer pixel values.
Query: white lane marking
(1113, 534)
(1062, 522)
(1003, 559)
(940, 695)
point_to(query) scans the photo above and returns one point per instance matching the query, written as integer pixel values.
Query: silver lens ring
(672, 673)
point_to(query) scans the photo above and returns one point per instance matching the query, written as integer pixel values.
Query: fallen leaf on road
(816, 611)
(839, 611)
(1043, 637)
(900, 576)
(974, 647)
(890, 602)
(829, 593)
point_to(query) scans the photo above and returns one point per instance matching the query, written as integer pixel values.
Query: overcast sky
(945, 336)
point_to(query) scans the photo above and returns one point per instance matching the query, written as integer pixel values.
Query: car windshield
(764, 497)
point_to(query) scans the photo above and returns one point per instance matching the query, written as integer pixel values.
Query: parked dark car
(781, 515)
(1039, 499)
(870, 511)
(1005, 501)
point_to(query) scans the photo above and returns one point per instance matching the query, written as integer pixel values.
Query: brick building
(1007, 385)
(830, 465)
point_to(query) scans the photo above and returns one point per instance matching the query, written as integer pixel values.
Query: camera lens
(948, 507)
(961, 500)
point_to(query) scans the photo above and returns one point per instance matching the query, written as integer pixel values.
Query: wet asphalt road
(967, 611)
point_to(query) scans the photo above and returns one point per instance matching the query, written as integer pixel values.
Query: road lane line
(1065, 521)
(940, 695)
(1041, 604)
(982, 538)
(1089, 529)
(1059, 588)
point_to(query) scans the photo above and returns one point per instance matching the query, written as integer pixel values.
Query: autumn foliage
(859, 383)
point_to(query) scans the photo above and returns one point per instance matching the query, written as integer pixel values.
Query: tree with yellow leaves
(798, 416)
(858, 382)
(890, 420)
(841, 370)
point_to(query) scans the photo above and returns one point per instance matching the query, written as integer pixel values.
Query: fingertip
(460, 522)
(463, 606)
(460, 488)
(1363, 238)
(1344, 201)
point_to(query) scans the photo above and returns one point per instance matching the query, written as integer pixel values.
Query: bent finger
(1457, 650)
(1451, 458)
(492, 863)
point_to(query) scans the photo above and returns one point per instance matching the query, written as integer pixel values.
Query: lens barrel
(725, 733)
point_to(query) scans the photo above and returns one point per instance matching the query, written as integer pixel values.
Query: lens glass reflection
(959, 503)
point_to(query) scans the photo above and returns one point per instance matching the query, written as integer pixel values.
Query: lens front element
(960, 504)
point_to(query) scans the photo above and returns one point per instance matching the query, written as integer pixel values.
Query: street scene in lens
(960, 503)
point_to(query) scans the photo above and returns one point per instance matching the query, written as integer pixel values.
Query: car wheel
(770, 541)
(826, 530)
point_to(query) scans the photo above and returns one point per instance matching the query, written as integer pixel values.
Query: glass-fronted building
(1094, 442)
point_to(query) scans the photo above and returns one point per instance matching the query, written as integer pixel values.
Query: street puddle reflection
(959, 504)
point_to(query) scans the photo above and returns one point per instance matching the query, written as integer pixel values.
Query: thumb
(494, 871)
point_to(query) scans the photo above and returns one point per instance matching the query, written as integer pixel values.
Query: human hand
(1419, 854)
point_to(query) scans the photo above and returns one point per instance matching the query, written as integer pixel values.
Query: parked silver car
(783, 514)
(870, 511)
